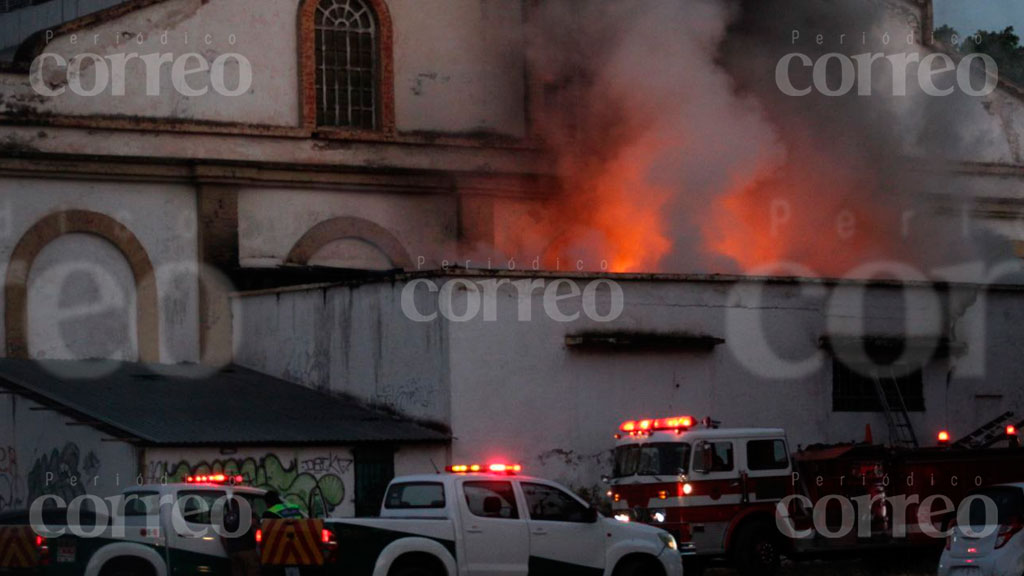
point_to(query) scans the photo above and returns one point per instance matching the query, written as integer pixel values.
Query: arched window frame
(385, 104)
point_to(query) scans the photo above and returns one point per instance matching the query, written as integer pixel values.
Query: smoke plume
(679, 152)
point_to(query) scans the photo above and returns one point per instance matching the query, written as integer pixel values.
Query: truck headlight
(668, 540)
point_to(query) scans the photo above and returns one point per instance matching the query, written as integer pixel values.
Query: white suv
(990, 546)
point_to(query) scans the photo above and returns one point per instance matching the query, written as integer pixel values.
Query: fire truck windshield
(654, 459)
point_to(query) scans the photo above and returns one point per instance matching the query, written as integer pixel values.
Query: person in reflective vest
(276, 508)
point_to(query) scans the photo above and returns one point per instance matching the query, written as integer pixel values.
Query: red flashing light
(642, 427)
(673, 423)
(259, 536)
(215, 479)
(1011, 430)
(325, 536)
(40, 541)
(497, 468)
(943, 437)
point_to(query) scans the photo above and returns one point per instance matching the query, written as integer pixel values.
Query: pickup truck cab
(157, 530)
(486, 521)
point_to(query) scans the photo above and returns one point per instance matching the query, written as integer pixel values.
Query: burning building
(261, 183)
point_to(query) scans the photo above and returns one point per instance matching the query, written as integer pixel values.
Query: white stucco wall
(41, 454)
(161, 216)
(271, 220)
(517, 392)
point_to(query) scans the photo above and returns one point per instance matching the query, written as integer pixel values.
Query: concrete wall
(307, 477)
(517, 392)
(353, 341)
(313, 478)
(40, 453)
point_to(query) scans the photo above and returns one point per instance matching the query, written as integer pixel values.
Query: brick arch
(385, 72)
(48, 229)
(345, 227)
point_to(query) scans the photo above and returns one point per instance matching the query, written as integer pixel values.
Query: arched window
(347, 65)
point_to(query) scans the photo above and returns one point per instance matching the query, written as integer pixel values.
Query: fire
(815, 212)
(621, 212)
(609, 217)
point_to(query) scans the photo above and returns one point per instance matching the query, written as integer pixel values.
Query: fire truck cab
(714, 489)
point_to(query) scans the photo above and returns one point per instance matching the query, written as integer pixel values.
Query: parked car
(993, 543)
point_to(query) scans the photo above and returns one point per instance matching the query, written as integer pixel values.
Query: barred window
(346, 64)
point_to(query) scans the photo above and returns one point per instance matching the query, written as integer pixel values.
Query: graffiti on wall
(62, 472)
(12, 489)
(315, 484)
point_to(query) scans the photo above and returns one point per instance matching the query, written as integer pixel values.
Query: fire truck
(740, 495)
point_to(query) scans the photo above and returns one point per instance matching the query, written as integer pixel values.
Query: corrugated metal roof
(185, 405)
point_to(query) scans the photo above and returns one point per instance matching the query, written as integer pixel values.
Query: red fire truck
(740, 494)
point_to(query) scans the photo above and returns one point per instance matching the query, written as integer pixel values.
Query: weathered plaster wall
(271, 221)
(352, 341)
(465, 51)
(80, 281)
(517, 392)
(40, 453)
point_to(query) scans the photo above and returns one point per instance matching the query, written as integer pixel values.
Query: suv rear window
(1009, 503)
(415, 495)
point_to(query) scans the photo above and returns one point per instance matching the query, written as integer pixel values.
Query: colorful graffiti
(62, 473)
(315, 484)
(12, 490)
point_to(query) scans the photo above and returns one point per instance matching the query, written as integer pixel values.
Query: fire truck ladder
(901, 431)
(988, 434)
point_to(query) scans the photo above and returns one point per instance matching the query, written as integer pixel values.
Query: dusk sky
(968, 16)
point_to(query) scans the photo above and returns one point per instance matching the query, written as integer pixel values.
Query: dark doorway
(375, 468)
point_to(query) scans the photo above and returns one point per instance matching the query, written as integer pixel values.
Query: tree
(1003, 46)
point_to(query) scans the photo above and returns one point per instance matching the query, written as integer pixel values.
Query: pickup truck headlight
(668, 540)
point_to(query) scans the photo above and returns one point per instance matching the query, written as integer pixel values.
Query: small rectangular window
(767, 455)
(415, 495)
(491, 499)
(854, 388)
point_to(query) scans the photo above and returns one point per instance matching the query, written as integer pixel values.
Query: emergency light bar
(648, 425)
(492, 468)
(215, 479)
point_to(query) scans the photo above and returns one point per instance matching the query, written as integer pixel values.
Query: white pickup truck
(491, 522)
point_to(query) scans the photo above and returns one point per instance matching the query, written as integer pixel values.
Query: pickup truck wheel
(758, 550)
(127, 567)
(638, 567)
(417, 565)
(693, 566)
